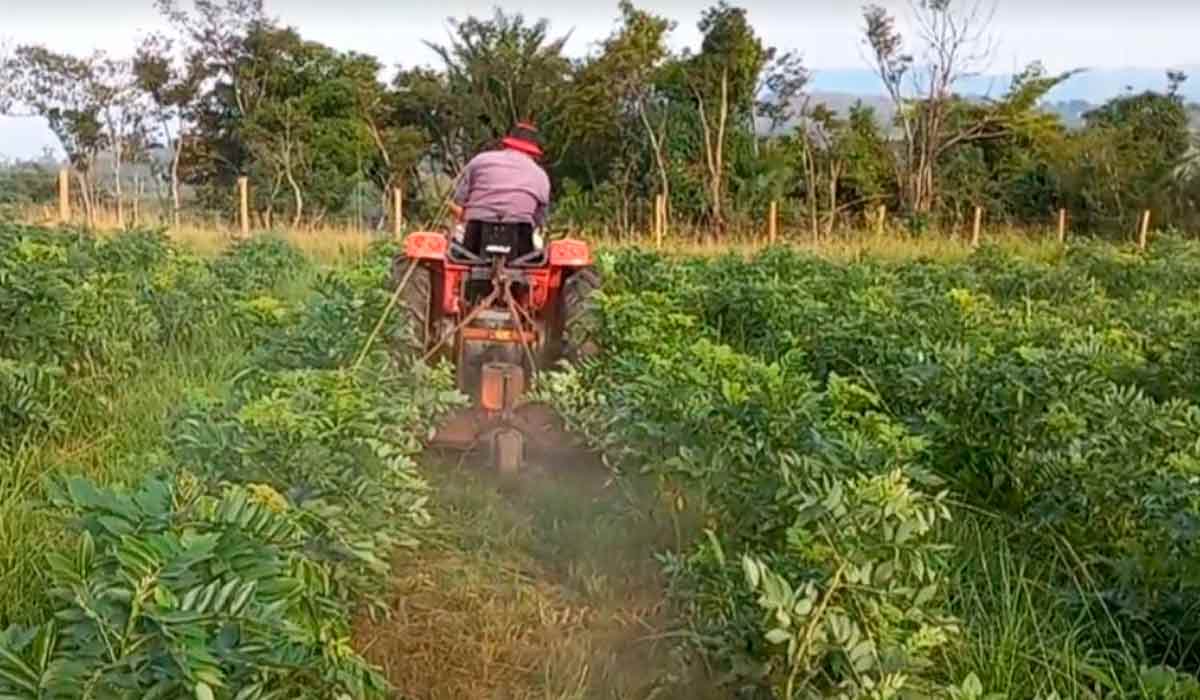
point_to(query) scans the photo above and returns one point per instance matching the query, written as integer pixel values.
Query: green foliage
(81, 313)
(339, 447)
(257, 265)
(778, 397)
(26, 183)
(234, 570)
(866, 618)
(172, 591)
(31, 398)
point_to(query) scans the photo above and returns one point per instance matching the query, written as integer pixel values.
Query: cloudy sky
(1061, 33)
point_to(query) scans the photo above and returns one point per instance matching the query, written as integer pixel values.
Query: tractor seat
(484, 241)
(460, 255)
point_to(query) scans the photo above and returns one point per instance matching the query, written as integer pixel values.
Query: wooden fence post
(244, 196)
(397, 212)
(659, 219)
(772, 222)
(879, 225)
(977, 226)
(1062, 226)
(1144, 231)
(64, 196)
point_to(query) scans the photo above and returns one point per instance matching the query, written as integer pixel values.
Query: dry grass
(330, 246)
(334, 243)
(549, 592)
(850, 246)
(345, 245)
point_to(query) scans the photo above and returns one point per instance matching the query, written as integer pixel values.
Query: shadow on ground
(544, 586)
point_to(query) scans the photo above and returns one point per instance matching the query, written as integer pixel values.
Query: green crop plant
(269, 515)
(173, 592)
(1051, 400)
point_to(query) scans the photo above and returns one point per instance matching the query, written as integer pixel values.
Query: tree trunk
(834, 176)
(659, 161)
(297, 196)
(85, 193)
(175, 181)
(117, 189)
(810, 191)
(719, 176)
(713, 150)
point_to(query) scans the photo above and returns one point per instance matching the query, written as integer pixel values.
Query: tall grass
(1020, 638)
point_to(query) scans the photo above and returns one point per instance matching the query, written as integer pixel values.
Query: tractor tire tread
(580, 317)
(416, 299)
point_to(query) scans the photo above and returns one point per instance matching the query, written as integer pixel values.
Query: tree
(172, 90)
(1131, 155)
(1006, 166)
(124, 119)
(954, 46)
(784, 80)
(502, 70)
(7, 77)
(723, 78)
(229, 79)
(398, 144)
(85, 101)
(622, 81)
(846, 159)
(307, 129)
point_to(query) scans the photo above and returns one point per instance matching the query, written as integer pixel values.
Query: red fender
(426, 245)
(569, 252)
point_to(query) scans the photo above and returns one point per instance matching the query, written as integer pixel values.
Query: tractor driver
(503, 194)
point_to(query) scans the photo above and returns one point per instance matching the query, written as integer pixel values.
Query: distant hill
(1093, 85)
(840, 89)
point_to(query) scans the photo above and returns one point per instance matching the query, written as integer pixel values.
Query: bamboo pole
(397, 212)
(64, 196)
(772, 222)
(1144, 232)
(244, 196)
(977, 226)
(1062, 226)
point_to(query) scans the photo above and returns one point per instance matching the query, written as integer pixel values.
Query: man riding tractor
(492, 299)
(491, 291)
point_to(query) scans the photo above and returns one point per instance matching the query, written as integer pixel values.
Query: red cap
(523, 137)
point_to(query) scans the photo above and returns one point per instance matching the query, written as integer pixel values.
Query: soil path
(544, 587)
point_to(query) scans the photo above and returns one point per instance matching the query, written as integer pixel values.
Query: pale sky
(1062, 33)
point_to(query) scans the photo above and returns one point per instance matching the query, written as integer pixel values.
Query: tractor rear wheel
(580, 321)
(416, 300)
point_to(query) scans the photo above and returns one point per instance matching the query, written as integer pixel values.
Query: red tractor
(502, 311)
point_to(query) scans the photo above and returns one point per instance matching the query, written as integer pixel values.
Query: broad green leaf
(778, 636)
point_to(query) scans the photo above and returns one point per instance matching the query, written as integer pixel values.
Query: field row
(942, 478)
(228, 559)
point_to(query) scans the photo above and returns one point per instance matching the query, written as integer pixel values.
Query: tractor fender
(569, 252)
(425, 245)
